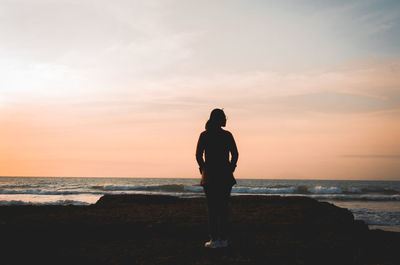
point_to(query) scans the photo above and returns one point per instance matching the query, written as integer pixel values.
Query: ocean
(375, 202)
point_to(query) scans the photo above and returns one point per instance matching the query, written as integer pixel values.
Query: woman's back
(216, 145)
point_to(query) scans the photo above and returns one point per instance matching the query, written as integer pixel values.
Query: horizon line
(237, 178)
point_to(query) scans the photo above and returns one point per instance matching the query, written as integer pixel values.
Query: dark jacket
(217, 169)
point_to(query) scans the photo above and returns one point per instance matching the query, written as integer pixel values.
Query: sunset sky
(118, 88)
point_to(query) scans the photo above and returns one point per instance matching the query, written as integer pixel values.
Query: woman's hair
(217, 119)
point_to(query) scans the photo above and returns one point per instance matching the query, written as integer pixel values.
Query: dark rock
(140, 229)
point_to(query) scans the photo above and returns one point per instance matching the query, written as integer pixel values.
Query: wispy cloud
(372, 156)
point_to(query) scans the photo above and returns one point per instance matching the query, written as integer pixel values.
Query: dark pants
(218, 210)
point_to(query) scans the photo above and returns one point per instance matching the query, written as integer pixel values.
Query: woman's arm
(199, 153)
(234, 153)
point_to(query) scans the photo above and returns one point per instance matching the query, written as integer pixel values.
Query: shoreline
(393, 229)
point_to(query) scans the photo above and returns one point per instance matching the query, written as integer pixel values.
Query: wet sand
(143, 229)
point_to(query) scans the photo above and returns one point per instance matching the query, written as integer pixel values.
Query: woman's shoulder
(226, 132)
(203, 134)
(221, 131)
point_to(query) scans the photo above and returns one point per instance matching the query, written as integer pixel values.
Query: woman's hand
(233, 167)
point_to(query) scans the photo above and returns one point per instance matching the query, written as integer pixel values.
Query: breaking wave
(45, 192)
(58, 202)
(320, 192)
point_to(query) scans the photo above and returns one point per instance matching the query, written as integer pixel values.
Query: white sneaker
(223, 243)
(212, 244)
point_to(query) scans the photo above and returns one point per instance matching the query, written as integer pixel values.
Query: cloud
(157, 56)
(362, 88)
(132, 36)
(372, 156)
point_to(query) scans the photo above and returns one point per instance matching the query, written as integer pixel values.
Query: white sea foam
(149, 187)
(325, 190)
(35, 199)
(59, 202)
(374, 217)
(45, 192)
(346, 197)
(263, 190)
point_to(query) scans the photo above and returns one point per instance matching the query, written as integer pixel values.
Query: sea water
(375, 202)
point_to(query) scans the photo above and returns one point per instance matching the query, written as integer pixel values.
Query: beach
(144, 229)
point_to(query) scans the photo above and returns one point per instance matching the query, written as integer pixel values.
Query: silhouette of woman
(217, 174)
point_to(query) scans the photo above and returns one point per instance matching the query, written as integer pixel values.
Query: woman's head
(217, 119)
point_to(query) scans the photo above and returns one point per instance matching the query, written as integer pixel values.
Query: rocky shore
(144, 229)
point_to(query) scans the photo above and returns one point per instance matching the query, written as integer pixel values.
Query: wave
(317, 192)
(344, 197)
(379, 190)
(298, 190)
(261, 190)
(58, 202)
(24, 186)
(46, 192)
(378, 217)
(165, 188)
(313, 190)
(325, 190)
(160, 188)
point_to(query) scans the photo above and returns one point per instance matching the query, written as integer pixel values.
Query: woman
(217, 174)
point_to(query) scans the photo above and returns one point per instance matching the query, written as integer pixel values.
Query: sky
(122, 88)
